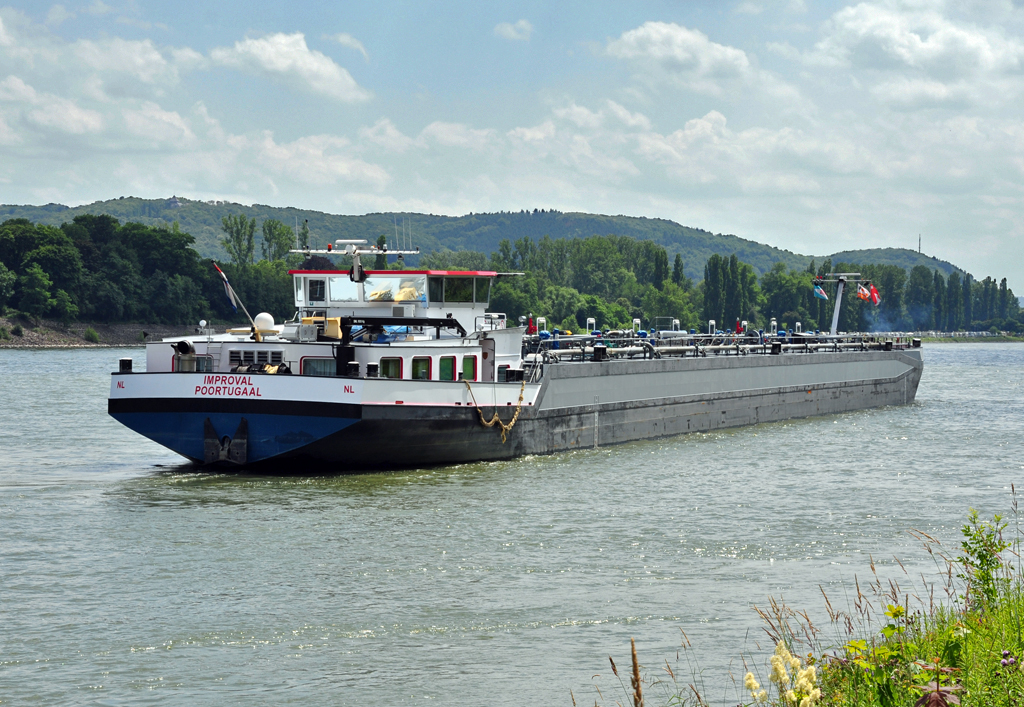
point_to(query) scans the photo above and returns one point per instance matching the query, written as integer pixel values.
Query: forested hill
(478, 232)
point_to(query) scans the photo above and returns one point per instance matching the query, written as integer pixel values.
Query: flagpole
(238, 299)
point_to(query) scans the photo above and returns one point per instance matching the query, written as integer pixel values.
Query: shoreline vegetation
(897, 643)
(97, 269)
(18, 332)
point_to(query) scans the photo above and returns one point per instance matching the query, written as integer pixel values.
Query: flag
(863, 293)
(819, 292)
(227, 288)
(876, 299)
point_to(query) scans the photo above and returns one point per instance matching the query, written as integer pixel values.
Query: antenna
(919, 243)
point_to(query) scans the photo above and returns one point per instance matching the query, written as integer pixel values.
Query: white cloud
(906, 93)
(287, 57)
(457, 135)
(347, 40)
(687, 56)
(152, 122)
(58, 14)
(188, 59)
(581, 116)
(140, 59)
(5, 39)
(633, 120)
(884, 36)
(385, 134)
(748, 8)
(99, 8)
(316, 160)
(7, 134)
(50, 111)
(540, 133)
(518, 32)
(14, 89)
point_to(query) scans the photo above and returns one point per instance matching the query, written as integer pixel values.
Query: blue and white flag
(227, 288)
(819, 292)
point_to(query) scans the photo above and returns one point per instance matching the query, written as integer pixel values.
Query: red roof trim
(450, 273)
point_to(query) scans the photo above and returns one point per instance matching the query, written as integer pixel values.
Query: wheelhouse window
(343, 289)
(469, 368)
(395, 288)
(446, 368)
(318, 366)
(317, 291)
(436, 289)
(421, 368)
(390, 368)
(298, 291)
(483, 290)
(458, 289)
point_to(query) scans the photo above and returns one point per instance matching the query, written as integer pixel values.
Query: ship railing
(598, 348)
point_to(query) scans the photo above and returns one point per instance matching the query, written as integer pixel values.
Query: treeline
(617, 279)
(98, 269)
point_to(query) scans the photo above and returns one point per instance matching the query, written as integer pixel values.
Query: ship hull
(393, 423)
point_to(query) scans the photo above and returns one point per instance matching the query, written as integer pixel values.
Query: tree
(677, 271)
(65, 309)
(1003, 299)
(714, 303)
(954, 306)
(920, 297)
(380, 262)
(939, 301)
(278, 239)
(7, 281)
(35, 291)
(240, 241)
(968, 301)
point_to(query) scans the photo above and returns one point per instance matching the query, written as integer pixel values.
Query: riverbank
(21, 333)
(973, 339)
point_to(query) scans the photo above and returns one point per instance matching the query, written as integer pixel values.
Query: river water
(125, 578)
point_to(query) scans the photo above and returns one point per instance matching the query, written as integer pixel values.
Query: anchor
(225, 449)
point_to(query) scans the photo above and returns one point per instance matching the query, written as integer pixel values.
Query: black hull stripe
(252, 406)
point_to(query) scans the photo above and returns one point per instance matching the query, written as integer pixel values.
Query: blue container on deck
(544, 334)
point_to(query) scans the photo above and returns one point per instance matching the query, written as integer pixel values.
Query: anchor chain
(495, 420)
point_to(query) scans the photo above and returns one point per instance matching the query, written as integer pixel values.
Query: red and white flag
(863, 293)
(876, 299)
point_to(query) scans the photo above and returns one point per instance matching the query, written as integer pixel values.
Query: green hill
(479, 232)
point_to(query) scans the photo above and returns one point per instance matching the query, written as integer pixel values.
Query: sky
(815, 127)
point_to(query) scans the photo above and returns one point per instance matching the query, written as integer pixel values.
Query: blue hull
(269, 435)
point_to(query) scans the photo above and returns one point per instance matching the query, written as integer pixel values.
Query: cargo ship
(403, 368)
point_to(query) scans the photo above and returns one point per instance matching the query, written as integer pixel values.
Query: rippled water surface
(125, 578)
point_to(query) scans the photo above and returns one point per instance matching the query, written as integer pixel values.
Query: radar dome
(264, 320)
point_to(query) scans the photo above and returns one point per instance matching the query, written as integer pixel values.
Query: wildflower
(779, 675)
(1011, 660)
(750, 682)
(815, 694)
(1004, 662)
(791, 697)
(761, 697)
(1006, 654)
(794, 663)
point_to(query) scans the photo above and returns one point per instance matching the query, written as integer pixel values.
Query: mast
(839, 300)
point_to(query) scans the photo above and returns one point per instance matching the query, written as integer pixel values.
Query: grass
(956, 641)
(91, 336)
(17, 330)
